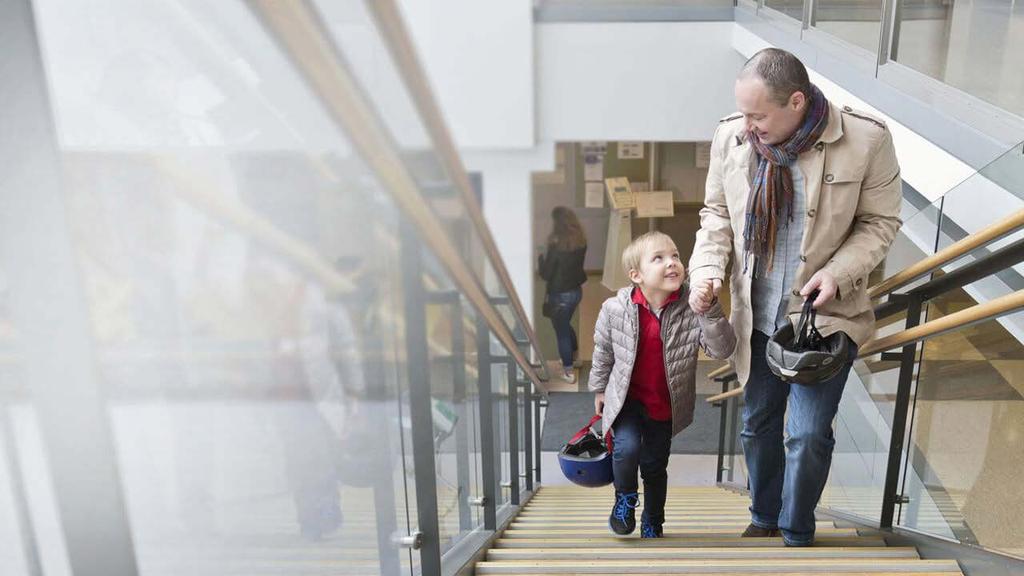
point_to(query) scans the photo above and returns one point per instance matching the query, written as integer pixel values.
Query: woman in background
(561, 267)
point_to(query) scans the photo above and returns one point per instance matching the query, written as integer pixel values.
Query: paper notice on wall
(594, 147)
(620, 234)
(594, 195)
(657, 204)
(620, 195)
(593, 167)
(631, 150)
(703, 157)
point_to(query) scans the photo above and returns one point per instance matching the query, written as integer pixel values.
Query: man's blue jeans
(786, 483)
(644, 444)
(565, 304)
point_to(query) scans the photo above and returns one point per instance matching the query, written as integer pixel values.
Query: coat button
(859, 280)
(829, 177)
(819, 146)
(847, 109)
(796, 292)
(803, 258)
(811, 213)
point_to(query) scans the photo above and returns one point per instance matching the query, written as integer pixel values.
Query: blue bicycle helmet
(585, 459)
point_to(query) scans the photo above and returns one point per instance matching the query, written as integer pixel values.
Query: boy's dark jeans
(642, 443)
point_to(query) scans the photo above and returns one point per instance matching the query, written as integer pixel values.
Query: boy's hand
(599, 403)
(702, 295)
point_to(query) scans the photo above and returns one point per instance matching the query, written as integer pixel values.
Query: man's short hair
(634, 253)
(782, 72)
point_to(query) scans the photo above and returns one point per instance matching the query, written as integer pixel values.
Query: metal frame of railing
(912, 303)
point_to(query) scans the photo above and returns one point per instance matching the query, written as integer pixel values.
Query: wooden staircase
(564, 530)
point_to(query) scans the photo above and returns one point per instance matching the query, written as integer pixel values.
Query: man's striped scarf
(771, 195)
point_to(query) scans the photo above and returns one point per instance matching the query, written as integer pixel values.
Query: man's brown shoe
(753, 531)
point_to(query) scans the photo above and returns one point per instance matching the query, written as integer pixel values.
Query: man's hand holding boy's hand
(599, 403)
(704, 294)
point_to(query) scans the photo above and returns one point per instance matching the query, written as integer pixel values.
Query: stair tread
(696, 541)
(561, 525)
(700, 552)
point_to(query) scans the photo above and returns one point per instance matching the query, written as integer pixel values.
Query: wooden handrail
(977, 313)
(725, 395)
(303, 38)
(399, 43)
(720, 371)
(991, 232)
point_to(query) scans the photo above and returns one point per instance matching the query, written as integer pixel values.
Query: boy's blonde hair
(634, 253)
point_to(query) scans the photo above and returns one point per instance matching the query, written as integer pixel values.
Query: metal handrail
(303, 38)
(398, 41)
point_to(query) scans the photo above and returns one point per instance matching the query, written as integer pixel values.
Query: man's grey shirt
(769, 293)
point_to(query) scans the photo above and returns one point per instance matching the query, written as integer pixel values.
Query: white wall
(508, 208)
(634, 81)
(479, 57)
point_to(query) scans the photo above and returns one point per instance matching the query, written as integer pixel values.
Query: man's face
(764, 117)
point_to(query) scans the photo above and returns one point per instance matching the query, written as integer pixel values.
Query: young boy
(644, 368)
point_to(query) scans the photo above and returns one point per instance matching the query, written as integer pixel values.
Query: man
(803, 196)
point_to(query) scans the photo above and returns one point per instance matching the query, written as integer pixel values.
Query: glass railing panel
(500, 394)
(247, 285)
(1007, 171)
(858, 23)
(366, 50)
(29, 524)
(246, 294)
(943, 39)
(733, 463)
(963, 452)
(451, 325)
(863, 426)
(862, 432)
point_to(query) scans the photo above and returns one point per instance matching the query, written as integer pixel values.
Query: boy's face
(660, 268)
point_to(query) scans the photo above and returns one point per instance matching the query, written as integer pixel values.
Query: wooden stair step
(708, 553)
(569, 524)
(610, 541)
(598, 515)
(603, 531)
(751, 566)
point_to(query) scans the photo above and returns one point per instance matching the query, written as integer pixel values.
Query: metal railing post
(890, 497)
(420, 413)
(488, 481)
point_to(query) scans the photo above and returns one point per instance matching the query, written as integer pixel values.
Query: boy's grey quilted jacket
(682, 331)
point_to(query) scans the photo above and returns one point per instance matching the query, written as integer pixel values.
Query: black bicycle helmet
(801, 355)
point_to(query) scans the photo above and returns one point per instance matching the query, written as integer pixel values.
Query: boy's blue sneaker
(648, 530)
(623, 518)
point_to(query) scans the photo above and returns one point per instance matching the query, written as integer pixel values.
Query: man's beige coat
(853, 187)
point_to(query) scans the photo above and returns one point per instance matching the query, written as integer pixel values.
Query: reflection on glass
(973, 46)
(254, 398)
(245, 283)
(858, 23)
